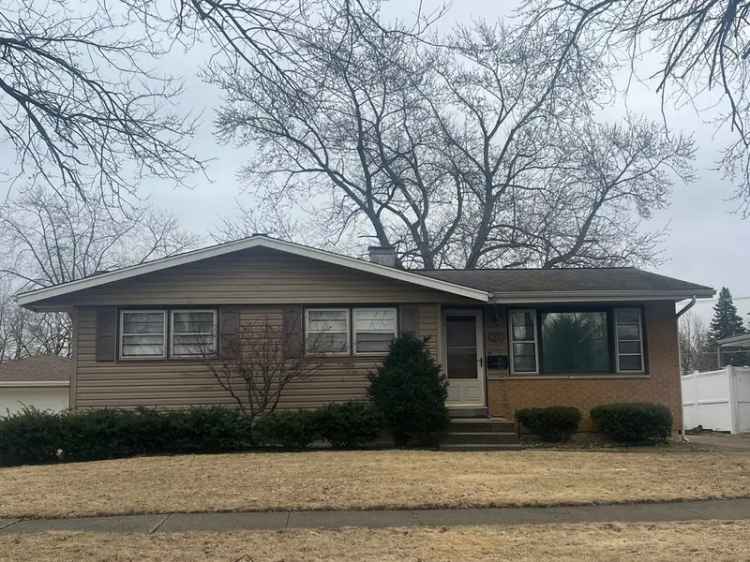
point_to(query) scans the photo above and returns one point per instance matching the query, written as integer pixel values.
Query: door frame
(478, 314)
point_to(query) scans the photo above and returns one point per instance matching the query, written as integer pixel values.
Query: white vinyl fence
(718, 400)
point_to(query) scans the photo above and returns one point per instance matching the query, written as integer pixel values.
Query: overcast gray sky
(706, 242)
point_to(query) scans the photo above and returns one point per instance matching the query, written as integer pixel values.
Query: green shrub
(350, 425)
(410, 391)
(555, 424)
(633, 422)
(32, 436)
(287, 429)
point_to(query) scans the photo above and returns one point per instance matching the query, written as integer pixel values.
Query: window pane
(193, 322)
(575, 342)
(523, 324)
(462, 363)
(193, 344)
(372, 342)
(143, 322)
(327, 320)
(375, 319)
(142, 334)
(629, 347)
(326, 343)
(461, 331)
(524, 358)
(630, 363)
(142, 346)
(628, 332)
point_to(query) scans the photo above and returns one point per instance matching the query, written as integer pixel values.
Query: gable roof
(29, 298)
(547, 285)
(40, 370)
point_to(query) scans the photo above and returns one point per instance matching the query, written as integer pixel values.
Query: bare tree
(702, 46)
(48, 238)
(258, 364)
(694, 348)
(79, 104)
(480, 152)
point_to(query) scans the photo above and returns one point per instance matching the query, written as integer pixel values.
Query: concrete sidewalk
(181, 522)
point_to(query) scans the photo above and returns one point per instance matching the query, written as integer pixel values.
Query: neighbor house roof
(743, 340)
(537, 285)
(40, 370)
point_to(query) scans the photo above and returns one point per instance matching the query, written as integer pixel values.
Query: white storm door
(463, 354)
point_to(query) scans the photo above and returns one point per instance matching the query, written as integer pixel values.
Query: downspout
(682, 311)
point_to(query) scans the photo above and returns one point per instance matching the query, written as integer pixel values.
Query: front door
(464, 357)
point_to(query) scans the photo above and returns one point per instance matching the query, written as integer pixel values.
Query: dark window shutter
(230, 333)
(106, 333)
(293, 331)
(407, 321)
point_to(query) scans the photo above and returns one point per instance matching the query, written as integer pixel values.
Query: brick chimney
(383, 255)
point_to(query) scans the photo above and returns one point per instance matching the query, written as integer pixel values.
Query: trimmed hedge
(287, 429)
(35, 437)
(32, 436)
(554, 424)
(350, 425)
(410, 391)
(633, 422)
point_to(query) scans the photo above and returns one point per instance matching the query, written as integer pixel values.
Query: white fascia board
(594, 296)
(30, 297)
(37, 384)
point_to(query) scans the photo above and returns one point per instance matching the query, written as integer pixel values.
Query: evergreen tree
(725, 324)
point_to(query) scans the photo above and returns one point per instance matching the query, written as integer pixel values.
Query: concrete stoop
(480, 434)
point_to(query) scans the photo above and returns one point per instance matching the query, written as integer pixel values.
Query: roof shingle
(564, 280)
(38, 368)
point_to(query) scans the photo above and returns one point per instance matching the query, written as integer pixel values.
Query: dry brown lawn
(368, 480)
(708, 540)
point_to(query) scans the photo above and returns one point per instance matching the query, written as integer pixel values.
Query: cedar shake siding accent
(183, 383)
(506, 394)
(255, 276)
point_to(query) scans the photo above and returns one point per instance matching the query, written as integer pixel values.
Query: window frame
(307, 331)
(641, 341)
(354, 328)
(215, 332)
(121, 334)
(612, 343)
(511, 340)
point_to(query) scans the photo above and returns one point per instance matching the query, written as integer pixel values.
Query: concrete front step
(482, 425)
(480, 447)
(485, 438)
(478, 412)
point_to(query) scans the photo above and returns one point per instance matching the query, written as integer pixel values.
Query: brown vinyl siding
(182, 383)
(255, 276)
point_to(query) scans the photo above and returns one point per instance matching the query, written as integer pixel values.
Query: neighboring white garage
(42, 382)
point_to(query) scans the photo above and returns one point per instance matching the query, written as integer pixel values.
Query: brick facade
(506, 393)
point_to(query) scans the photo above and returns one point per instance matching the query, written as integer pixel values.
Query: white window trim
(640, 341)
(122, 334)
(512, 340)
(354, 327)
(348, 330)
(215, 331)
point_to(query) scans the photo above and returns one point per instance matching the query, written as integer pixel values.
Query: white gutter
(680, 312)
